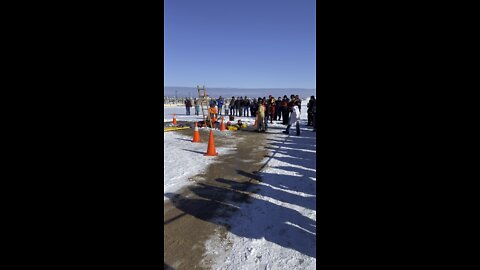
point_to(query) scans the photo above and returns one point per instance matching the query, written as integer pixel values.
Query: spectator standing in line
(285, 111)
(299, 102)
(309, 111)
(197, 106)
(239, 106)
(188, 105)
(220, 105)
(232, 106)
(267, 110)
(271, 109)
(246, 106)
(254, 107)
(278, 109)
(314, 115)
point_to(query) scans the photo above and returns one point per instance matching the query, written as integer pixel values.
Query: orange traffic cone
(196, 134)
(174, 119)
(211, 146)
(222, 127)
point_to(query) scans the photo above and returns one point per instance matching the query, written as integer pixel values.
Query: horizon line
(247, 87)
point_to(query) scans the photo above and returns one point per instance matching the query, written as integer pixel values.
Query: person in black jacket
(254, 107)
(238, 106)
(232, 106)
(278, 109)
(246, 106)
(285, 111)
(314, 115)
(188, 105)
(309, 111)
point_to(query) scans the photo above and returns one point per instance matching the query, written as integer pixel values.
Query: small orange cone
(211, 146)
(174, 119)
(222, 127)
(196, 134)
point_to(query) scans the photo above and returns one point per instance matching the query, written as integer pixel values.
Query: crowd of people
(173, 100)
(287, 110)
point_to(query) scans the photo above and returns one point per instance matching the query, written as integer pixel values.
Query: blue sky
(240, 43)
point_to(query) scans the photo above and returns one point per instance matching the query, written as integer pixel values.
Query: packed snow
(184, 159)
(276, 228)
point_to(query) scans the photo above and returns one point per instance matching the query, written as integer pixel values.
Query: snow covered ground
(277, 228)
(181, 160)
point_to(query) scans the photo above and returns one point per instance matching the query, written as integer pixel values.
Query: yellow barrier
(174, 128)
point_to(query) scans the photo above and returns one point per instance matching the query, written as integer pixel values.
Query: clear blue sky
(240, 43)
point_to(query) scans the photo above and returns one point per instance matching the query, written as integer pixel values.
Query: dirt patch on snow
(194, 214)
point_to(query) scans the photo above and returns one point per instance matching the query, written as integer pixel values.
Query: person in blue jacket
(220, 102)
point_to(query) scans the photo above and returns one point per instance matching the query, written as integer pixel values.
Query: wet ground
(214, 195)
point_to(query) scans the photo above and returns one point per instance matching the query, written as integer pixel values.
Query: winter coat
(261, 111)
(295, 116)
(310, 105)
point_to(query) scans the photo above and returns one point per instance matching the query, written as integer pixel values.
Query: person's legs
(260, 126)
(298, 128)
(285, 117)
(287, 131)
(314, 122)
